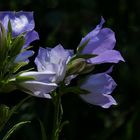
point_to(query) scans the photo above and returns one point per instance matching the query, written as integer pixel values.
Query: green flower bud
(76, 66)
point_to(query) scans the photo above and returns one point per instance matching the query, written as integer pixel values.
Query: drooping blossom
(99, 86)
(21, 22)
(51, 65)
(101, 43)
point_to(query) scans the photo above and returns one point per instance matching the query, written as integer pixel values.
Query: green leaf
(43, 132)
(3, 44)
(14, 128)
(9, 28)
(4, 115)
(62, 125)
(75, 90)
(16, 46)
(24, 78)
(81, 47)
(7, 113)
(84, 56)
(18, 66)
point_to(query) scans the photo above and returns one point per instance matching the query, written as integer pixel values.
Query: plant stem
(57, 117)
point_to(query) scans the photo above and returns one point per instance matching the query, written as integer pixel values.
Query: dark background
(66, 22)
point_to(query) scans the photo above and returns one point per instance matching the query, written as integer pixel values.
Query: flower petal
(23, 57)
(104, 40)
(20, 21)
(30, 37)
(55, 60)
(42, 59)
(99, 86)
(59, 54)
(40, 76)
(38, 89)
(110, 56)
(102, 100)
(93, 33)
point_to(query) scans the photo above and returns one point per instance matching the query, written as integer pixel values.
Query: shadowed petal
(39, 89)
(30, 37)
(102, 100)
(24, 56)
(99, 86)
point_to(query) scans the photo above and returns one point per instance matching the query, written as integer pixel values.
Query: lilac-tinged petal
(30, 37)
(104, 40)
(42, 58)
(40, 76)
(99, 87)
(110, 56)
(101, 43)
(22, 57)
(53, 59)
(94, 32)
(20, 21)
(39, 89)
(59, 54)
(102, 100)
(100, 83)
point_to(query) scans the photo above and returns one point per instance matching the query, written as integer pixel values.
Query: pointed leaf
(82, 46)
(14, 128)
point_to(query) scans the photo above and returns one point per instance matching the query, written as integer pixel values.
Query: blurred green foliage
(65, 22)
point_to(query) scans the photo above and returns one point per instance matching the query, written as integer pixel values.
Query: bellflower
(101, 43)
(51, 65)
(54, 60)
(99, 86)
(21, 23)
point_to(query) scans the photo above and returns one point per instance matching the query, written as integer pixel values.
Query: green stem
(57, 117)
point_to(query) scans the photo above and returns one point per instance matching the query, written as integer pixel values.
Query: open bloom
(54, 60)
(101, 43)
(21, 22)
(51, 65)
(99, 86)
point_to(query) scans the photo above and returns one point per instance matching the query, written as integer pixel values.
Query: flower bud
(89, 68)
(76, 66)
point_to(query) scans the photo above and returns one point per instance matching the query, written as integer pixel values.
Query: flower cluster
(16, 34)
(56, 67)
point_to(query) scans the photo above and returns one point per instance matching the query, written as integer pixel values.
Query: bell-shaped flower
(20, 21)
(101, 42)
(51, 65)
(54, 60)
(99, 86)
